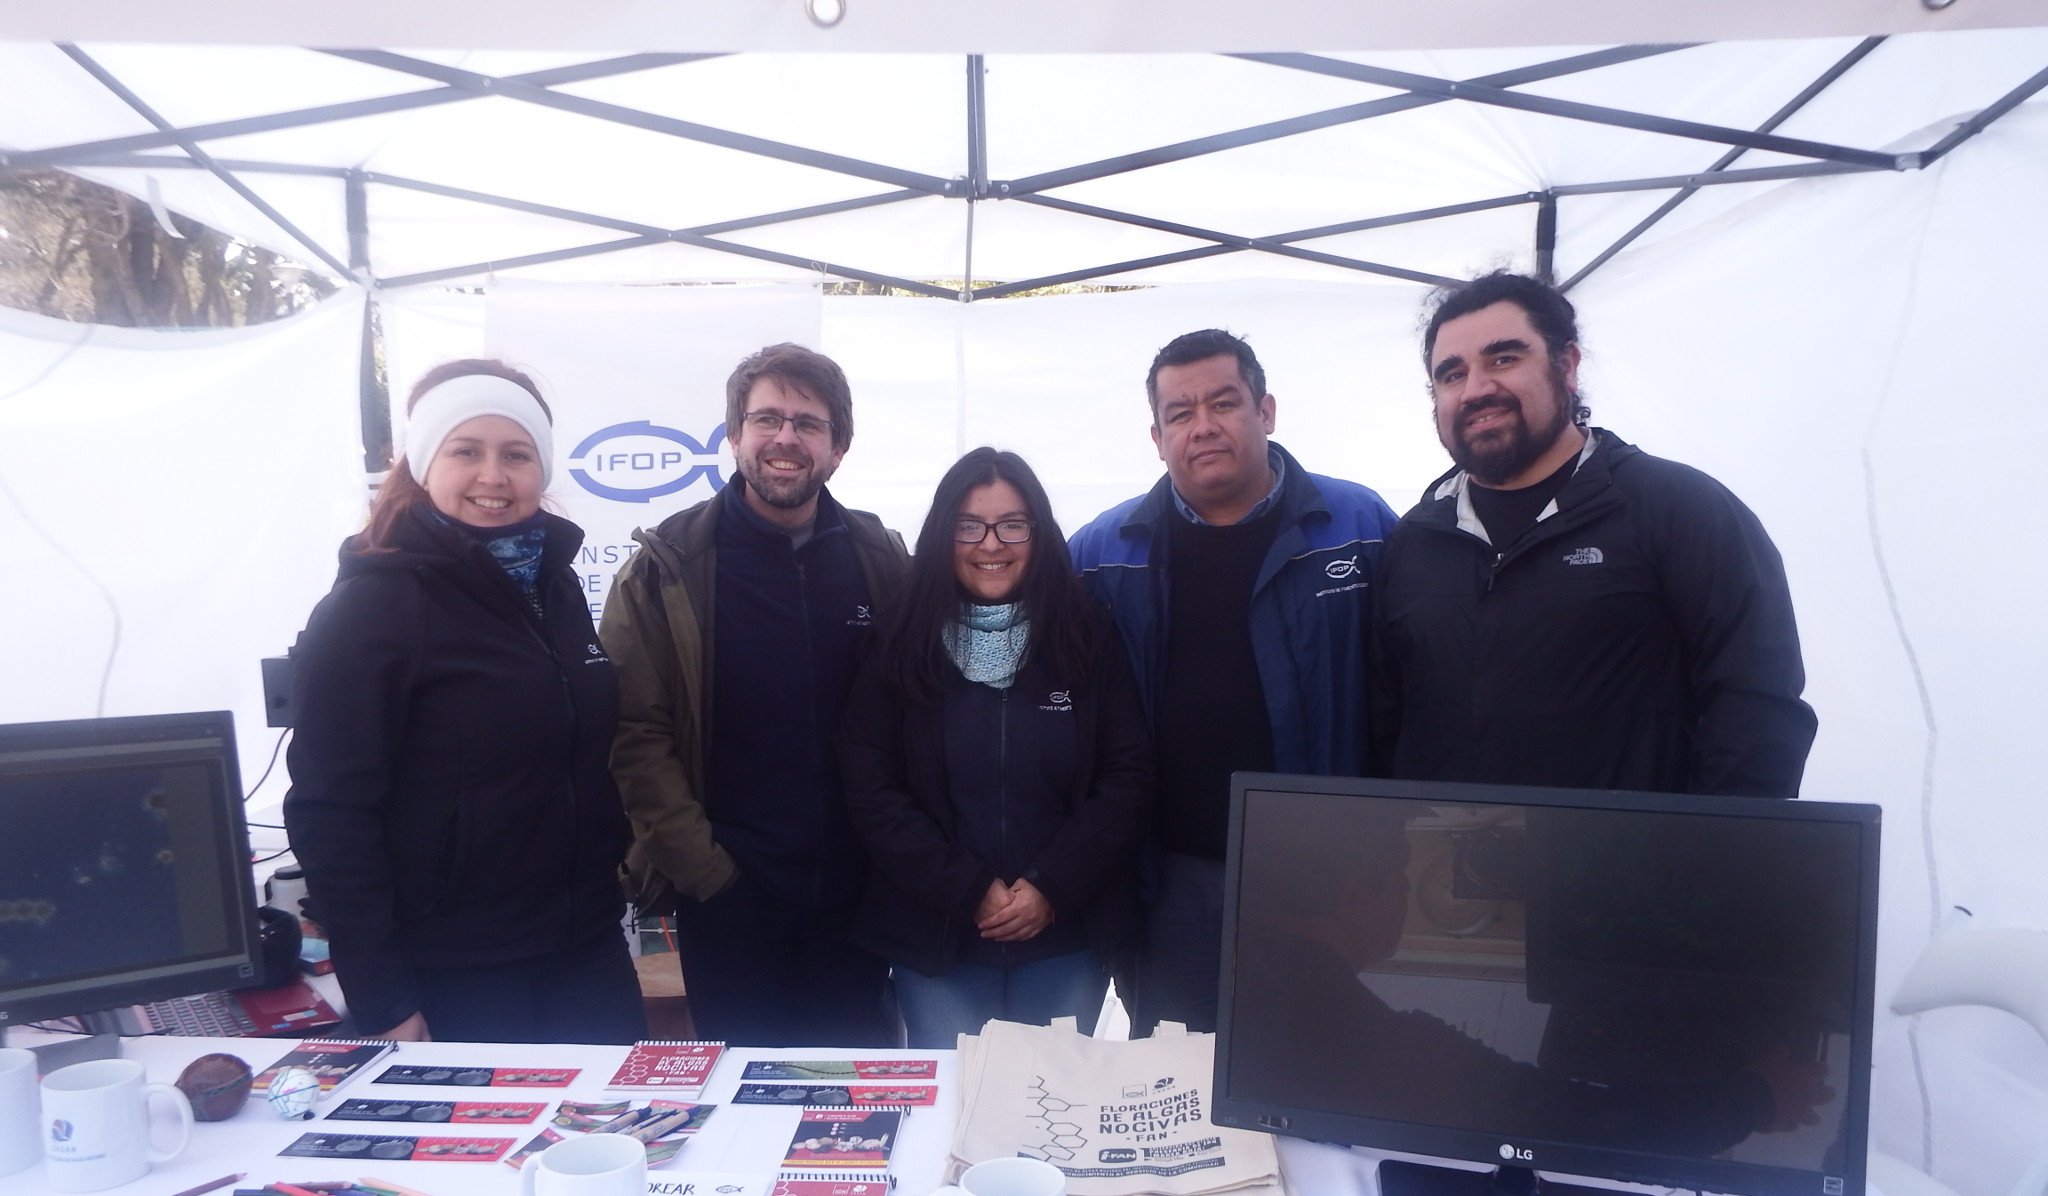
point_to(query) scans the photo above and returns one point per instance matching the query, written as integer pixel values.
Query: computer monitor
(1653, 988)
(124, 864)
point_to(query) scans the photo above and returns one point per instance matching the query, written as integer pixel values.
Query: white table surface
(738, 1139)
(746, 1139)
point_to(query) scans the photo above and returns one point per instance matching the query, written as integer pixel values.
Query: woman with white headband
(451, 798)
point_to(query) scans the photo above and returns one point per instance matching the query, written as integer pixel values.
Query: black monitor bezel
(1478, 1147)
(239, 963)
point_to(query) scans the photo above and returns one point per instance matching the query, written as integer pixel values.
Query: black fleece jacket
(451, 798)
(1641, 637)
(1076, 840)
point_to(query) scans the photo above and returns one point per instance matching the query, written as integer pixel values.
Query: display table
(745, 1140)
(741, 1139)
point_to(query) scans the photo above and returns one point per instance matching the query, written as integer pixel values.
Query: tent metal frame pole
(1825, 80)
(618, 114)
(456, 85)
(356, 205)
(1478, 93)
(1982, 120)
(596, 220)
(81, 152)
(372, 412)
(977, 163)
(1328, 118)
(649, 235)
(1260, 244)
(121, 161)
(1287, 238)
(198, 155)
(1755, 174)
(1005, 289)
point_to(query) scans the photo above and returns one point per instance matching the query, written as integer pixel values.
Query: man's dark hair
(1190, 347)
(1549, 312)
(1552, 314)
(804, 370)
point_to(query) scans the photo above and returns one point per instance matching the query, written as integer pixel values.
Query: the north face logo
(1584, 556)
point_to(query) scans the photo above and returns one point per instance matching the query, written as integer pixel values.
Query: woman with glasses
(997, 768)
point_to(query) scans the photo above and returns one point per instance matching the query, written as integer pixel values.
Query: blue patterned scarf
(987, 642)
(516, 547)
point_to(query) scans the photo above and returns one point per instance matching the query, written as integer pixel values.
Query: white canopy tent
(1825, 312)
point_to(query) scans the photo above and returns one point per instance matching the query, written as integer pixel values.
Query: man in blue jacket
(1242, 584)
(1565, 609)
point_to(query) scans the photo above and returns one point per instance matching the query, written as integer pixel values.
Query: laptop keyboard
(208, 1015)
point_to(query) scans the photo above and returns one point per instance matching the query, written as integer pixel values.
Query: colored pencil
(213, 1185)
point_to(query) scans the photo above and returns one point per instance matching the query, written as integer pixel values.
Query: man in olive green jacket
(756, 604)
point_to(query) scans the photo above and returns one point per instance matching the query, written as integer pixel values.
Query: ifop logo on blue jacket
(640, 461)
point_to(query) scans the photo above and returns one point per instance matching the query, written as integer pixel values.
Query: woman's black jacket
(451, 797)
(924, 885)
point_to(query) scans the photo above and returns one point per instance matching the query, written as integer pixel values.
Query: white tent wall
(1845, 354)
(170, 504)
(1845, 360)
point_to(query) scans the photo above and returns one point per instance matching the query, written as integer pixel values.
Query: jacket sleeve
(1383, 675)
(904, 841)
(657, 757)
(1724, 583)
(1100, 837)
(356, 665)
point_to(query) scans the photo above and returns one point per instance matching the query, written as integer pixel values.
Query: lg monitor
(124, 864)
(1640, 987)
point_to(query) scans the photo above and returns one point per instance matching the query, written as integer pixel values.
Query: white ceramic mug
(1009, 1177)
(96, 1125)
(593, 1165)
(19, 1145)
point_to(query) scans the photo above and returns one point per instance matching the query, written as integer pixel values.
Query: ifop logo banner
(640, 461)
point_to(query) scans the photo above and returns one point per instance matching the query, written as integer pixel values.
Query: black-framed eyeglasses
(769, 423)
(1008, 531)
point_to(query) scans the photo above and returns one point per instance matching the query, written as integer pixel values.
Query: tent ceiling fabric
(982, 26)
(1006, 170)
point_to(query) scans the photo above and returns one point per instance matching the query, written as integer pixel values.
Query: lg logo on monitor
(1513, 1155)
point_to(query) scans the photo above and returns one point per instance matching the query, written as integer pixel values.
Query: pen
(212, 1185)
(626, 1121)
(659, 1126)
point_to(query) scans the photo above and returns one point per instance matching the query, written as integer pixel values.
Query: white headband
(459, 400)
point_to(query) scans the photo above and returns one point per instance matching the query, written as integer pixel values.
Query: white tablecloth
(742, 1139)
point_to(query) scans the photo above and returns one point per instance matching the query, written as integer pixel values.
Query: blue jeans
(938, 1009)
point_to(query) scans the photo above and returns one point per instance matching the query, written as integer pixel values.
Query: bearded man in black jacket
(1565, 609)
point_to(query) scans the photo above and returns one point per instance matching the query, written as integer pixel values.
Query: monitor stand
(65, 1051)
(1401, 1178)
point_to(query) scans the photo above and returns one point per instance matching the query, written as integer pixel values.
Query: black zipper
(1003, 789)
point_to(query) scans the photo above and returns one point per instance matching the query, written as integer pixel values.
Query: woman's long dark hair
(1063, 621)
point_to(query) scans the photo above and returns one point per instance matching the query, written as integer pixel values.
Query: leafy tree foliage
(76, 250)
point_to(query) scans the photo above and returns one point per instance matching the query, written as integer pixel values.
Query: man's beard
(1512, 447)
(785, 492)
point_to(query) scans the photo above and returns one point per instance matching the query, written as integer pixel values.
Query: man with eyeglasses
(1242, 584)
(735, 631)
